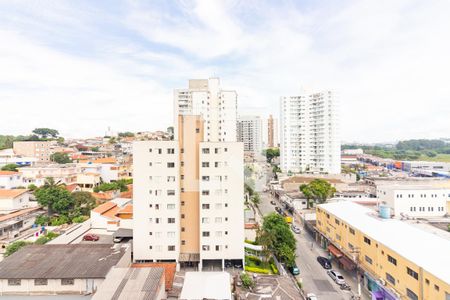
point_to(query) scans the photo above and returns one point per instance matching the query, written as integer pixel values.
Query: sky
(83, 66)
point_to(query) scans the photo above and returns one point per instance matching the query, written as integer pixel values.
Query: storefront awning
(335, 251)
(347, 263)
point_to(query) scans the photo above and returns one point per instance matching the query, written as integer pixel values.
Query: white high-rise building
(309, 133)
(218, 108)
(188, 200)
(249, 131)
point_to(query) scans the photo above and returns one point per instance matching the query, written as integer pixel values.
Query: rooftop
(60, 261)
(206, 285)
(8, 173)
(7, 194)
(400, 237)
(131, 283)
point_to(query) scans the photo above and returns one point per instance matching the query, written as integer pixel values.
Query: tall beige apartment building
(38, 149)
(188, 199)
(272, 132)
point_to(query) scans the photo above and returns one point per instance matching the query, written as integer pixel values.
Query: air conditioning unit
(381, 281)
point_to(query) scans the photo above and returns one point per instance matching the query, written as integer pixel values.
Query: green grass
(439, 158)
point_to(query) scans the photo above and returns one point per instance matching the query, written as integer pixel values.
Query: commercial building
(249, 132)
(38, 149)
(57, 269)
(397, 260)
(218, 107)
(188, 199)
(414, 201)
(309, 133)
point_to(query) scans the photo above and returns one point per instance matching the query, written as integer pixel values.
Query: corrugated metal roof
(60, 261)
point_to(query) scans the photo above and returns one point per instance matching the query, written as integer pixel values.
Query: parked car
(336, 276)
(117, 239)
(311, 296)
(278, 210)
(295, 229)
(294, 270)
(91, 237)
(273, 202)
(324, 262)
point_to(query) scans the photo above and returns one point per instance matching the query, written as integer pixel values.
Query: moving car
(295, 229)
(336, 276)
(294, 270)
(273, 202)
(311, 296)
(278, 210)
(91, 237)
(324, 262)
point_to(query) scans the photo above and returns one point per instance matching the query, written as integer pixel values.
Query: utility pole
(356, 251)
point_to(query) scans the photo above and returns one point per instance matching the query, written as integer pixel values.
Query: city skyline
(83, 67)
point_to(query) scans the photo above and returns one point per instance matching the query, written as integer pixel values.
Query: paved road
(314, 277)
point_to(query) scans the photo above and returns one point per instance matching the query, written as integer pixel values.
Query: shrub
(274, 269)
(56, 221)
(14, 247)
(251, 242)
(247, 281)
(256, 270)
(79, 219)
(42, 220)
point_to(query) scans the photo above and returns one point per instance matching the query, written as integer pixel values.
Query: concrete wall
(54, 286)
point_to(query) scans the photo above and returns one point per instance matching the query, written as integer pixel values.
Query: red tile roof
(101, 209)
(8, 173)
(6, 194)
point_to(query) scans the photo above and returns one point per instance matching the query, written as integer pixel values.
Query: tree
(248, 171)
(10, 167)
(126, 134)
(95, 149)
(112, 140)
(271, 153)
(111, 186)
(44, 133)
(255, 199)
(84, 202)
(55, 197)
(247, 281)
(32, 187)
(278, 237)
(60, 158)
(14, 247)
(319, 190)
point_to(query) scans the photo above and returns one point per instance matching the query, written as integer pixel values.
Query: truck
(288, 219)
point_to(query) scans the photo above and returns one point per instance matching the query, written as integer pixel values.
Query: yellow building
(399, 261)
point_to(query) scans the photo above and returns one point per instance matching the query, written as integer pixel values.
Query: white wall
(53, 286)
(414, 201)
(10, 181)
(20, 202)
(225, 187)
(154, 178)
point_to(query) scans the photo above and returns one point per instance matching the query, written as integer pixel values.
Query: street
(313, 277)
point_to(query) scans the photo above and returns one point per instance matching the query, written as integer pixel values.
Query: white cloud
(388, 61)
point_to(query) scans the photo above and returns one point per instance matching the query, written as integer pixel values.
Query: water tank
(385, 212)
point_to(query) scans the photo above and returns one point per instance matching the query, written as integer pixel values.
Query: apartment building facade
(414, 201)
(272, 132)
(309, 133)
(398, 260)
(188, 199)
(42, 150)
(218, 107)
(249, 132)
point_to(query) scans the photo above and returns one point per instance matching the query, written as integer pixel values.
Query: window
(158, 234)
(368, 259)
(218, 248)
(157, 220)
(171, 220)
(171, 234)
(392, 260)
(216, 150)
(170, 151)
(150, 150)
(351, 230)
(156, 206)
(171, 248)
(205, 247)
(40, 281)
(216, 164)
(205, 192)
(171, 165)
(205, 206)
(218, 220)
(205, 220)
(205, 178)
(67, 281)
(183, 242)
(412, 273)
(159, 151)
(182, 203)
(182, 216)
(427, 281)
(367, 240)
(170, 206)
(436, 287)
(411, 295)
(218, 233)
(170, 192)
(197, 130)
(218, 205)
(183, 229)
(205, 164)
(205, 150)
(337, 222)
(351, 246)
(14, 282)
(205, 233)
(390, 278)
(338, 237)
(158, 248)
(170, 178)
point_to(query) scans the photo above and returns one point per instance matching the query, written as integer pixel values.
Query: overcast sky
(81, 66)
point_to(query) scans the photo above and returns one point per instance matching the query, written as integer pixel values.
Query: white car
(295, 229)
(336, 276)
(311, 296)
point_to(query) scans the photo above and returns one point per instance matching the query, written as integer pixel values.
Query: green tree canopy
(14, 247)
(60, 158)
(276, 235)
(110, 186)
(44, 133)
(126, 134)
(318, 190)
(84, 202)
(271, 153)
(55, 197)
(10, 167)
